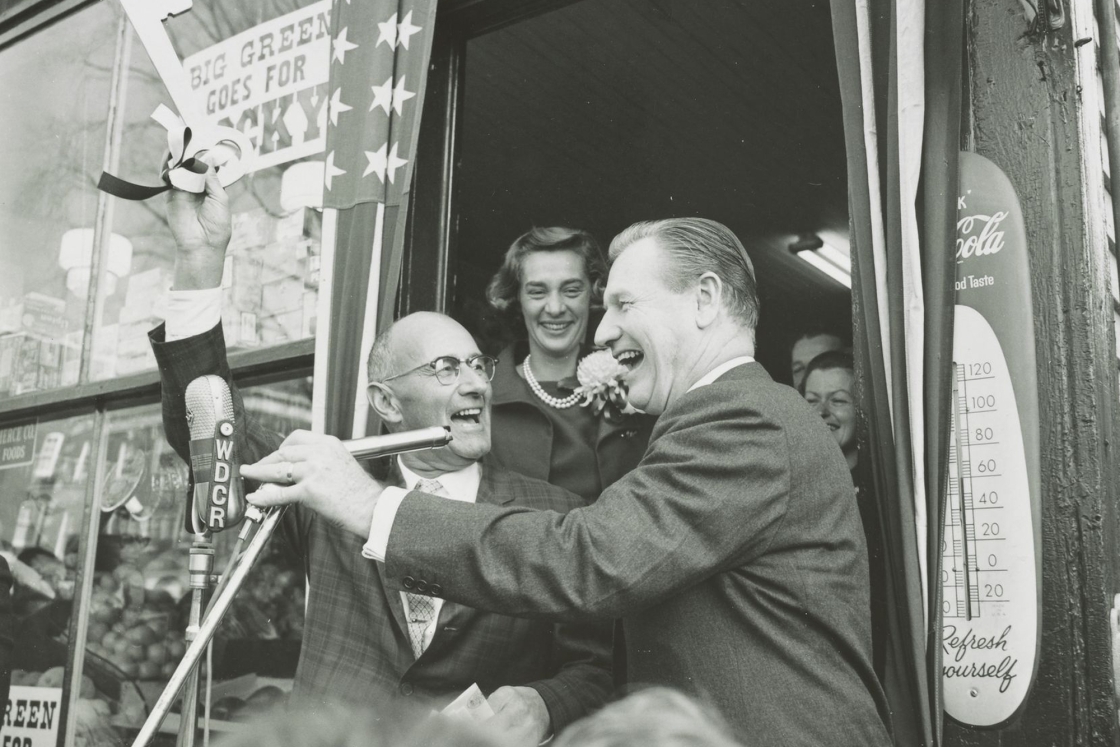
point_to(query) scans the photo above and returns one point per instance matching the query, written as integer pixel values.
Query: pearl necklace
(548, 399)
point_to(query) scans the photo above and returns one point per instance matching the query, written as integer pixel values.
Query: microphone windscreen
(208, 400)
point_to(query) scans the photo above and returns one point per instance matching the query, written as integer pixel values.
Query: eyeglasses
(446, 368)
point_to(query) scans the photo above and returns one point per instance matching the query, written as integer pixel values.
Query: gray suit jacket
(733, 553)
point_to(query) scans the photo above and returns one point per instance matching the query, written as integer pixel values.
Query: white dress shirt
(192, 312)
(385, 512)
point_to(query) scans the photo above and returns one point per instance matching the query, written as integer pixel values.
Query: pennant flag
(379, 58)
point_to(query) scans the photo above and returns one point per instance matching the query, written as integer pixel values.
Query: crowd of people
(637, 508)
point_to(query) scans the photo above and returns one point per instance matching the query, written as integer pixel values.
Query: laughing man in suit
(733, 553)
(363, 640)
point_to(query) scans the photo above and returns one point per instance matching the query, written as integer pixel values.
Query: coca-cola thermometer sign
(991, 569)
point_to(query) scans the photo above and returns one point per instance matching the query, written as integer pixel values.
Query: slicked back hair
(696, 246)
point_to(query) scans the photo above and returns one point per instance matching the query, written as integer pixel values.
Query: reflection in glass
(44, 470)
(57, 85)
(270, 282)
(55, 89)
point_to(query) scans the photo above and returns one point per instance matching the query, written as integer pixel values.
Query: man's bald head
(407, 393)
(401, 345)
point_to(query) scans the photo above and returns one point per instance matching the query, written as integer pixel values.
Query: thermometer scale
(991, 569)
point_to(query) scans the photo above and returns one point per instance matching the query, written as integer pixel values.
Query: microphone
(372, 447)
(218, 501)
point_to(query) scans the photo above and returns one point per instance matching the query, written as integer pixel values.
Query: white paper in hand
(470, 705)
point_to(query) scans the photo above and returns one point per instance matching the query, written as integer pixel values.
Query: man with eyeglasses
(362, 640)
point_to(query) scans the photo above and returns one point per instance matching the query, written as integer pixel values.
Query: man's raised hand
(318, 472)
(201, 226)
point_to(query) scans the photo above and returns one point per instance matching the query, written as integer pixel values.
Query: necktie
(420, 607)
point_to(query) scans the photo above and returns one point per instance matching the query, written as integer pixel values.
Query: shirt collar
(461, 485)
(720, 370)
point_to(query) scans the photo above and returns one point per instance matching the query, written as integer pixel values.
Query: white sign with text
(31, 717)
(270, 82)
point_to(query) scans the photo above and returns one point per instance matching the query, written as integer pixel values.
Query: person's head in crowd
(656, 717)
(681, 297)
(426, 370)
(549, 281)
(337, 726)
(829, 387)
(812, 342)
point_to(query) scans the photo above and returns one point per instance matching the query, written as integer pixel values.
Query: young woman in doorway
(548, 283)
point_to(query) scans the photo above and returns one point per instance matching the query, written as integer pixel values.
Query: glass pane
(260, 66)
(141, 596)
(54, 89)
(44, 471)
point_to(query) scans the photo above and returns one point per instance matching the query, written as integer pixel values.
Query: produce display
(135, 638)
(139, 597)
(136, 629)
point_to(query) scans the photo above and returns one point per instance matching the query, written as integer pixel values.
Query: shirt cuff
(192, 312)
(384, 513)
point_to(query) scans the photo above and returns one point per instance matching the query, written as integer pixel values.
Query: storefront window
(54, 90)
(45, 468)
(258, 66)
(138, 605)
(141, 597)
(262, 68)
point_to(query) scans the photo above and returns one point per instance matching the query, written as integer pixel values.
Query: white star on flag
(377, 162)
(383, 165)
(383, 95)
(405, 29)
(395, 162)
(341, 47)
(388, 32)
(331, 171)
(400, 96)
(337, 107)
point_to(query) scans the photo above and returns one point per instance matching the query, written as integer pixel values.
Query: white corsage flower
(601, 386)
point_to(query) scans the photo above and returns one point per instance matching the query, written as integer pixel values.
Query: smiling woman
(828, 386)
(548, 283)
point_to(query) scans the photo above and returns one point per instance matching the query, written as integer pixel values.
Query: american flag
(379, 59)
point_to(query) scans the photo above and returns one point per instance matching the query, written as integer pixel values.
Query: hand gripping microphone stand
(201, 629)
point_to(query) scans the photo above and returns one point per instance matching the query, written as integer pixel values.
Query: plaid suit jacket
(355, 642)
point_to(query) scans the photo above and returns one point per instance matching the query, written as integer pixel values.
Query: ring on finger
(288, 473)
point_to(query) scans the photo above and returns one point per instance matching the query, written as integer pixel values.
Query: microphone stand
(201, 628)
(201, 570)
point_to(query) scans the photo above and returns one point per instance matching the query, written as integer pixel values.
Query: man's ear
(709, 299)
(384, 402)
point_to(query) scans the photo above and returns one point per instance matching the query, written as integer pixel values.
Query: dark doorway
(606, 112)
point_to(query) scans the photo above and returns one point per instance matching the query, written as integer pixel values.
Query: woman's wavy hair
(505, 286)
